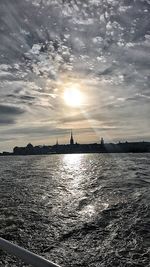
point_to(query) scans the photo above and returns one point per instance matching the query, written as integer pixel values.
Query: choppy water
(77, 210)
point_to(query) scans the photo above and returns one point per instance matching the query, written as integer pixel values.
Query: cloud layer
(104, 46)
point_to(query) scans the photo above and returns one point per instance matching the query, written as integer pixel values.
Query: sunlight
(73, 166)
(72, 161)
(73, 96)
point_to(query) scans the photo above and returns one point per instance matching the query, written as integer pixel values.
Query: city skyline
(72, 147)
(80, 65)
(71, 141)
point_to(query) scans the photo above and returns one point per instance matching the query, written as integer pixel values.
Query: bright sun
(73, 96)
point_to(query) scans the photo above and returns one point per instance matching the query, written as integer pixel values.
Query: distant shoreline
(126, 147)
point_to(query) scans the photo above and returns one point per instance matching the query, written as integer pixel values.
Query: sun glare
(73, 96)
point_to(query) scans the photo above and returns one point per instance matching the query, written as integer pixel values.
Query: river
(88, 210)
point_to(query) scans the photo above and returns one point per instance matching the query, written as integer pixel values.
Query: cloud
(8, 114)
(102, 45)
(10, 110)
(5, 121)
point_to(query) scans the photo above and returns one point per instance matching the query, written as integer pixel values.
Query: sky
(101, 47)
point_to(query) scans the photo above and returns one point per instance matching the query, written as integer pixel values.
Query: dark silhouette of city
(74, 147)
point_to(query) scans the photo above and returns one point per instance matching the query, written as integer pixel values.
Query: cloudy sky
(101, 47)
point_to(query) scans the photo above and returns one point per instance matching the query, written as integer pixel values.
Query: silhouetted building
(72, 147)
(102, 141)
(29, 146)
(71, 139)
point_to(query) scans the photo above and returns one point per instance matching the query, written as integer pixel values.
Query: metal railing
(24, 254)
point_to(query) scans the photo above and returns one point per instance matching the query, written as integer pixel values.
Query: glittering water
(77, 210)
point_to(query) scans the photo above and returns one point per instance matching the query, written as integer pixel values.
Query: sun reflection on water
(75, 176)
(88, 210)
(72, 164)
(72, 161)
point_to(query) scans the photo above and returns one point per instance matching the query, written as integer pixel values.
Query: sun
(73, 96)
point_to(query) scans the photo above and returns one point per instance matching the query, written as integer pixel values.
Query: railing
(27, 256)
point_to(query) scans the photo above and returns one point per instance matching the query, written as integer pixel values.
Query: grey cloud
(23, 97)
(5, 121)
(121, 21)
(139, 98)
(10, 110)
(37, 131)
(27, 97)
(8, 114)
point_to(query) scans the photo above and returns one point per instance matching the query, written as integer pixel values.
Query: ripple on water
(77, 210)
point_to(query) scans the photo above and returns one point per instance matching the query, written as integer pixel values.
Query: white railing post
(24, 254)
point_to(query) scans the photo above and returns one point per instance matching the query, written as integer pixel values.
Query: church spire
(102, 141)
(71, 139)
(57, 142)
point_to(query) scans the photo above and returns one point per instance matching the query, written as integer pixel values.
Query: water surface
(77, 210)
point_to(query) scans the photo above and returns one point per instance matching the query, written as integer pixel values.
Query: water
(77, 210)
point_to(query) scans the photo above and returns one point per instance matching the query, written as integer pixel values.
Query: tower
(71, 139)
(102, 141)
